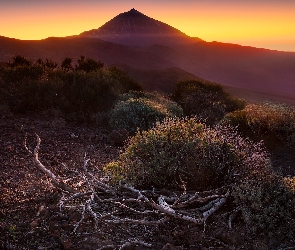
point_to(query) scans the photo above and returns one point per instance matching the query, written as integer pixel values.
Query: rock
(67, 244)
(2, 215)
(35, 223)
(169, 246)
(229, 237)
(55, 234)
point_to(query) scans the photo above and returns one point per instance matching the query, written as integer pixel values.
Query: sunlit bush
(180, 151)
(266, 120)
(139, 110)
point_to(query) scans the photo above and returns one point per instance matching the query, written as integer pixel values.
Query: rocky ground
(24, 189)
(29, 215)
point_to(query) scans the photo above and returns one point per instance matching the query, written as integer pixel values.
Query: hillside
(162, 81)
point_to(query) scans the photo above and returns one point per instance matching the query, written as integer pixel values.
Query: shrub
(21, 75)
(206, 100)
(88, 93)
(268, 205)
(265, 121)
(27, 87)
(88, 64)
(183, 150)
(139, 110)
(121, 80)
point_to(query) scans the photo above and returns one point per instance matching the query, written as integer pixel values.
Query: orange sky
(269, 24)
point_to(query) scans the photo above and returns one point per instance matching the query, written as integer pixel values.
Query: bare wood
(216, 206)
(134, 242)
(56, 181)
(97, 193)
(80, 221)
(117, 220)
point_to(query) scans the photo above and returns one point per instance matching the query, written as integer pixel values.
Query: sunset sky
(259, 23)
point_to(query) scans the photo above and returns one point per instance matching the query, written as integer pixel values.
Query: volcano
(133, 28)
(158, 55)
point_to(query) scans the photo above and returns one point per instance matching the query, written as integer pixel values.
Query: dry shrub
(268, 205)
(206, 100)
(266, 120)
(180, 151)
(139, 110)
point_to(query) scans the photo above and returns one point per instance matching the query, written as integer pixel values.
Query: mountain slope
(136, 29)
(260, 70)
(59, 48)
(160, 80)
(165, 52)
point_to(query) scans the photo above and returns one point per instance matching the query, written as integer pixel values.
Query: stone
(169, 246)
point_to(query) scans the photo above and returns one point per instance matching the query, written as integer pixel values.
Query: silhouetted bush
(20, 60)
(21, 75)
(139, 110)
(88, 64)
(67, 64)
(207, 101)
(181, 151)
(80, 94)
(121, 80)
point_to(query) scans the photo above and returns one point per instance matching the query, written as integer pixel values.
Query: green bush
(268, 205)
(266, 121)
(120, 80)
(183, 150)
(139, 110)
(208, 101)
(79, 95)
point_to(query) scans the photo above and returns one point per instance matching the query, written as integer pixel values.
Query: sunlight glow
(268, 24)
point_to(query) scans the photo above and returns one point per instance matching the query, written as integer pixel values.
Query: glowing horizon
(268, 24)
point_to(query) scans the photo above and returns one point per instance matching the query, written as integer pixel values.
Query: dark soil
(30, 218)
(24, 189)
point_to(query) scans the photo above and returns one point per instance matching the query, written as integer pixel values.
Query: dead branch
(117, 220)
(96, 182)
(105, 203)
(233, 216)
(80, 221)
(126, 245)
(215, 206)
(134, 242)
(56, 181)
(74, 196)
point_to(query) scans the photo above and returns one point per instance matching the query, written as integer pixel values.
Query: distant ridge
(135, 28)
(159, 55)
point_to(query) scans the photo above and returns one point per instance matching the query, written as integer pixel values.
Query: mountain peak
(135, 28)
(133, 11)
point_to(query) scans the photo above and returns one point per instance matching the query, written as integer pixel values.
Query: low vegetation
(141, 111)
(266, 121)
(267, 206)
(77, 93)
(208, 101)
(182, 152)
(204, 148)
